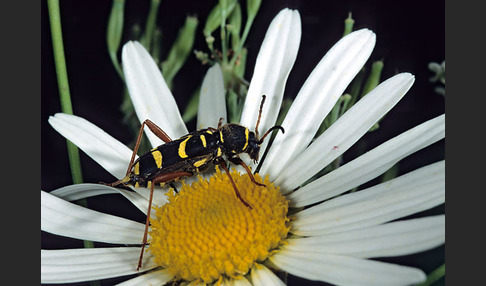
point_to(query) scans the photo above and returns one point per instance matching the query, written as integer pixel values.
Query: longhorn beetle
(191, 154)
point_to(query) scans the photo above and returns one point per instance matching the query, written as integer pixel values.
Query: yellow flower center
(205, 231)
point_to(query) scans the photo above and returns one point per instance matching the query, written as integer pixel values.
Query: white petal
(81, 191)
(75, 265)
(212, 103)
(150, 95)
(158, 277)
(139, 197)
(110, 153)
(408, 194)
(371, 164)
(316, 98)
(345, 131)
(262, 276)
(138, 200)
(274, 62)
(391, 239)
(66, 219)
(159, 198)
(344, 270)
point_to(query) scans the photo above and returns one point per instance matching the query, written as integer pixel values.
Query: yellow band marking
(203, 140)
(158, 158)
(219, 152)
(247, 134)
(136, 169)
(221, 137)
(182, 148)
(199, 163)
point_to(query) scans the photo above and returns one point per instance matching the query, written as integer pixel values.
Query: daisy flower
(315, 229)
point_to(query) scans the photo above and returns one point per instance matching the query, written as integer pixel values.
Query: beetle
(191, 154)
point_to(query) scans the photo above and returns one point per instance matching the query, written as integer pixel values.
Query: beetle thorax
(237, 139)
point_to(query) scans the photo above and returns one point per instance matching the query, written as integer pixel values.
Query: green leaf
(336, 112)
(252, 7)
(180, 50)
(114, 33)
(348, 25)
(234, 26)
(214, 18)
(203, 57)
(374, 77)
(234, 111)
(284, 109)
(156, 45)
(375, 126)
(148, 34)
(390, 173)
(355, 87)
(192, 106)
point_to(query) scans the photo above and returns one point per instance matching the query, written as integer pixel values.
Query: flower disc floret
(205, 232)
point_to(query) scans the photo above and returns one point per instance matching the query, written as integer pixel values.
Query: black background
(410, 34)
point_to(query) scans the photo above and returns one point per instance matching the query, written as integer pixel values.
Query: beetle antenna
(270, 130)
(259, 115)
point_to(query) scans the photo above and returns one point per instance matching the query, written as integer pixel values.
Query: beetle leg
(220, 123)
(162, 178)
(225, 167)
(174, 187)
(156, 130)
(237, 161)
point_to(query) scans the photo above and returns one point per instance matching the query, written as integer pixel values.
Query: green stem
(434, 276)
(64, 94)
(224, 46)
(246, 31)
(62, 79)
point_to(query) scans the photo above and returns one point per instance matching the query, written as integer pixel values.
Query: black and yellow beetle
(191, 154)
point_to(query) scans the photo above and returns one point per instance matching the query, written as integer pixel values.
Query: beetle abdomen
(187, 150)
